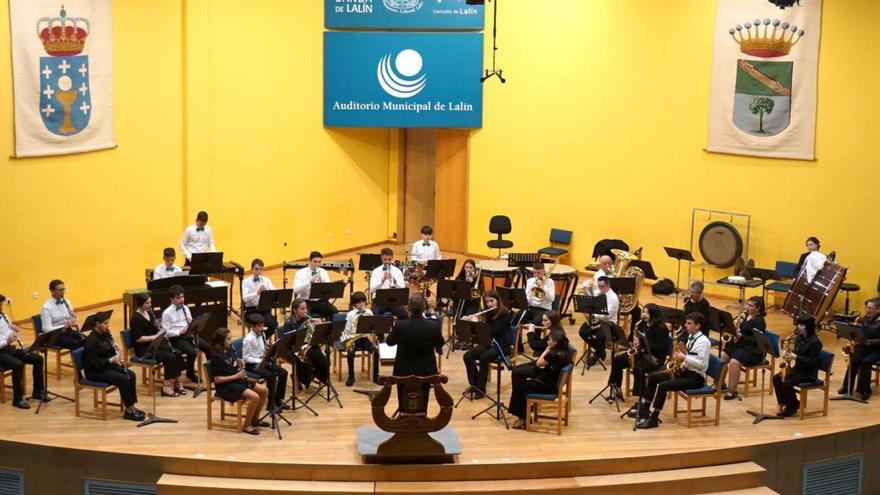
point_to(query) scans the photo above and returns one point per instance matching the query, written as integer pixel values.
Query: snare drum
(495, 273)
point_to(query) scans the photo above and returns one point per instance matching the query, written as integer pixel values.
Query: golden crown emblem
(63, 36)
(766, 39)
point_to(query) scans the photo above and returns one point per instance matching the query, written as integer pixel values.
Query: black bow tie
(426, 243)
(200, 229)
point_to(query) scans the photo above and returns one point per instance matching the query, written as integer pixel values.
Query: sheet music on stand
(324, 291)
(206, 263)
(369, 261)
(521, 260)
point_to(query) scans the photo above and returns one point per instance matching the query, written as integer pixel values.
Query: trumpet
(538, 289)
(788, 346)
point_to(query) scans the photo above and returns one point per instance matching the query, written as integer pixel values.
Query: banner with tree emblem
(62, 67)
(764, 73)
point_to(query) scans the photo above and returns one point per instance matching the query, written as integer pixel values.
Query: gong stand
(718, 237)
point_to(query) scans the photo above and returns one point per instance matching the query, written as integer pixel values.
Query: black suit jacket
(418, 341)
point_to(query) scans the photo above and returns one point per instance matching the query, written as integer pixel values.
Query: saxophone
(310, 330)
(349, 338)
(788, 346)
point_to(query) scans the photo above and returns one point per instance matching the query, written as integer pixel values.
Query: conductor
(419, 340)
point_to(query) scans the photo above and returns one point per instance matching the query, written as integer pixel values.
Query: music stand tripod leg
(151, 416)
(496, 403)
(48, 395)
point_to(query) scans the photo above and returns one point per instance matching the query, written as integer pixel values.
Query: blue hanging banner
(403, 79)
(435, 15)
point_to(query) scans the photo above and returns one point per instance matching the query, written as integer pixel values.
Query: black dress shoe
(865, 396)
(841, 391)
(284, 407)
(593, 360)
(350, 381)
(648, 423)
(131, 416)
(22, 404)
(476, 395)
(643, 410)
(787, 413)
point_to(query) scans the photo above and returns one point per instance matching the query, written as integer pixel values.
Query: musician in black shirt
(232, 383)
(419, 340)
(802, 363)
(542, 377)
(315, 364)
(651, 331)
(145, 330)
(696, 303)
(468, 273)
(102, 362)
(743, 350)
(477, 360)
(864, 357)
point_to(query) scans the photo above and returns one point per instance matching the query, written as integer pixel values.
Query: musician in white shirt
(387, 276)
(57, 314)
(592, 331)
(813, 260)
(253, 350)
(167, 268)
(693, 360)
(302, 287)
(538, 304)
(353, 341)
(605, 263)
(12, 358)
(426, 249)
(197, 238)
(251, 288)
(176, 319)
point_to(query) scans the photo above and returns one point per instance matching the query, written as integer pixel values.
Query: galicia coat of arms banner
(62, 64)
(764, 73)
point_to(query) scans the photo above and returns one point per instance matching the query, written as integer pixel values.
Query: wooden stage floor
(595, 431)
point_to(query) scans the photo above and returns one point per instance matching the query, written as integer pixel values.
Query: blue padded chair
(149, 367)
(826, 360)
(56, 349)
(500, 225)
(559, 403)
(786, 271)
(717, 371)
(209, 393)
(751, 381)
(80, 383)
(557, 236)
(237, 348)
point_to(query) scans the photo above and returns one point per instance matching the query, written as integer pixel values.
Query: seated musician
(651, 331)
(802, 363)
(540, 377)
(352, 342)
(197, 238)
(387, 276)
(302, 287)
(605, 264)
(591, 331)
(253, 350)
(231, 381)
(696, 303)
(102, 362)
(468, 274)
(144, 330)
(864, 356)
(419, 340)
(743, 350)
(12, 358)
(313, 363)
(812, 261)
(478, 359)
(251, 288)
(537, 335)
(57, 314)
(167, 268)
(692, 358)
(176, 319)
(539, 302)
(426, 249)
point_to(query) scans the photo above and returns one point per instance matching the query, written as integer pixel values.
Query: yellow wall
(601, 125)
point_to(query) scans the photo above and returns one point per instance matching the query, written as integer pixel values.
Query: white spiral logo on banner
(400, 80)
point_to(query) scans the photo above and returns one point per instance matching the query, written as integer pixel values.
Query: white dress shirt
(6, 331)
(249, 287)
(545, 302)
(613, 303)
(698, 349)
(594, 282)
(302, 283)
(253, 346)
(175, 321)
(197, 241)
(55, 313)
(425, 253)
(163, 271)
(350, 318)
(813, 263)
(377, 279)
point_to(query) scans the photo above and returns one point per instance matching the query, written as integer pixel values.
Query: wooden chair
(339, 357)
(149, 367)
(752, 380)
(875, 370)
(826, 360)
(558, 404)
(222, 423)
(59, 351)
(80, 383)
(717, 370)
(4, 374)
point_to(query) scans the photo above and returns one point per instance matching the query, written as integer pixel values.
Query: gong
(721, 244)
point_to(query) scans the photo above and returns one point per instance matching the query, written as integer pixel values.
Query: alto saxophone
(788, 346)
(310, 331)
(348, 339)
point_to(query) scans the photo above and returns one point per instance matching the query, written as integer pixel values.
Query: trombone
(538, 290)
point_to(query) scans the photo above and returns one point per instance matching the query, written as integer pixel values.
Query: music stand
(324, 336)
(678, 254)
(674, 316)
(151, 416)
(378, 326)
(514, 298)
(473, 332)
(273, 300)
(286, 343)
(502, 361)
(456, 291)
(623, 286)
(645, 267)
(521, 261)
(439, 269)
(206, 263)
(614, 394)
(589, 305)
(766, 348)
(181, 280)
(194, 331)
(854, 335)
(42, 343)
(324, 291)
(270, 359)
(391, 298)
(369, 261)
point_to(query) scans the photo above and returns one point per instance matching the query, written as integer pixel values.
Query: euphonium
(538, 290)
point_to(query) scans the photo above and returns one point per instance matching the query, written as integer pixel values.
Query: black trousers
(523, 384)
(476, 363)
(620, 363)
(185, 345)
(268, 317)
(322, 308)
(595, 338)
(15, 359)
(361, 344)
(785, 393)
(70, 339)
(660, 382)
(860, 366)
(316, 365)
(172, 362)
(125, 381)
(398, 311)
(276, 379)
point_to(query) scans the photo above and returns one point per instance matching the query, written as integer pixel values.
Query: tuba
(621, 268)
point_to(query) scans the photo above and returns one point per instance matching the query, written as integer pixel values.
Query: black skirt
(234, 390)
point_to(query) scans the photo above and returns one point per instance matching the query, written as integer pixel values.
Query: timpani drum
(495, 273)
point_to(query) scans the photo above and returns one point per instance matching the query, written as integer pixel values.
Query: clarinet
(116, 348)
(75, 327)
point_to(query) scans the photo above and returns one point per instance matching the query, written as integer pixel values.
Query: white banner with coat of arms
(62, 66)
(764, 78)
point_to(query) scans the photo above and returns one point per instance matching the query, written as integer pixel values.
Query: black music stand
(184, 281)
(297, 340)
(623, 286)
(391, 298)
(521, 261)
(273, 300)
(854, 335)
(206, 263)
(674, 316)
(615, 395)
(440, 269)
(42, 343)
(473, 332)
(324, 291)
(324, 336)
(194, 331)
(367, 262)
(151, 416)
(590, 305)
(646, 267)
(502, 361)
(678, 254)
(514, 298)
(378, 326)
(767, 348)
(457, 292)
(271, 358)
